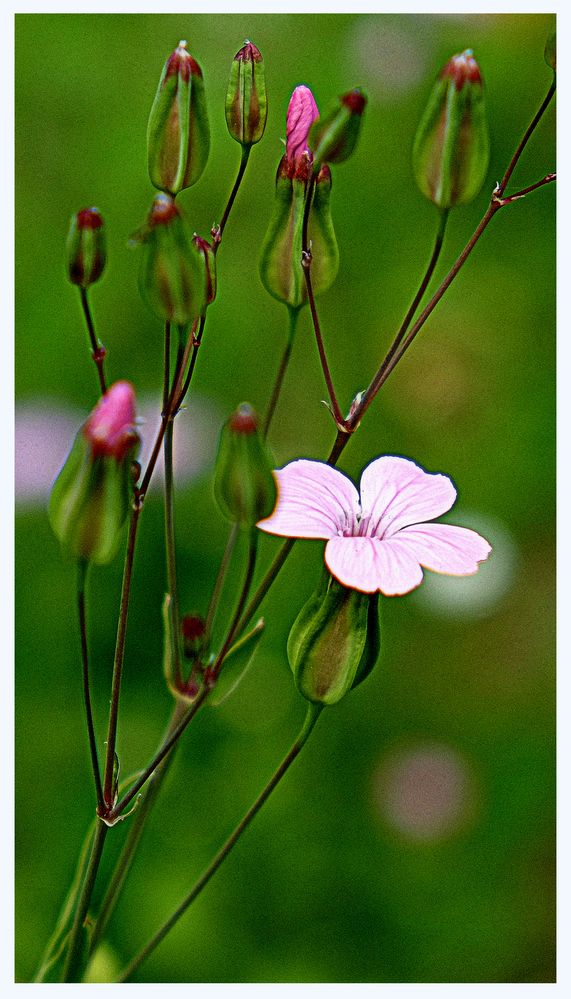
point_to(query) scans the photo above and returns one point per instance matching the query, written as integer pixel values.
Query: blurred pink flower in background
(45, 430)
(379, 541)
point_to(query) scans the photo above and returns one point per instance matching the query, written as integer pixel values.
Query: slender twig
(527, 136)
(218, 231)
(72, 965)
(497, 202)
(108, 789)
(170, 545)
(313, 713)
(293, 316)
(159, 756)
(233, 628)
(81, 583)
(219, 583)
(167, 365)
(97, 350)
(306, 265)
(527, 190)
(136, 829)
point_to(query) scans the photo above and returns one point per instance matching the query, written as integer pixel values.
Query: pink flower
(110, 428)
(379, 541)
(301, 113)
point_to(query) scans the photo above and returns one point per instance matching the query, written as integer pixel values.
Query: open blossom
(301, 113)
(380, 540)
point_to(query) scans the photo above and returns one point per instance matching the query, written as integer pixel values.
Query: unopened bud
(178, 134)
(246, 100)
(244, 484)
(281, 268)
(86, 255)
(173, 277)
(301, 113)
(550, 51)
(209, 258)
(91, 496)
(333, 137)
(193, 635)
(451, 150)
(334, 642)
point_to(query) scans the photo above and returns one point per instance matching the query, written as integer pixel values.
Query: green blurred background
(414, 839)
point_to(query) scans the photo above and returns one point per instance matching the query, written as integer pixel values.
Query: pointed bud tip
(89, 218)
(249, 53)
(355, 101)
(163, 210)
(180, 63)
(243, 420)
(301, 113)
(461, 69)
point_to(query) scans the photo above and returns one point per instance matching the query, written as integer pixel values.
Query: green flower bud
(550, 52)
(246, 101)
(209, 261)
(281, 270)
(85, 248)
(451, 150)
(244, 485)
(178, 134)
(333, 136)
(92, 494)
(173, 278)
(334, 642)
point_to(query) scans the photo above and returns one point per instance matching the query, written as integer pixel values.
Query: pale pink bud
(110, 429)
(301, 113)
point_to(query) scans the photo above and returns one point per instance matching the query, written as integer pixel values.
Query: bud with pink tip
(246, 99)
(301, 113)
(92, 494)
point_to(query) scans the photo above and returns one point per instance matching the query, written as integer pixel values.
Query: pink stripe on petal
(445, 548)
(368, 564)
(314, 501)
(395, 493)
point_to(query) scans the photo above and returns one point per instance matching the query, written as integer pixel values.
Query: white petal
(314, 501)
(395, 493)
(446, 548)
(369, 564)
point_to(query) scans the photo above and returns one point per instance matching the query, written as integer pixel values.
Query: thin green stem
(218, 232)
(293, 316)
(136, 828)
(313, 712)
(219, 583)
(97, 349)
(81, 584)
(72, 967)
(108, 789)
(527, 136)
(234, 627)
(158, 757)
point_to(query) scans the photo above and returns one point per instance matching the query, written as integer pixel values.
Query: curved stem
(81, 583)
(527, 136)
(246, 150)
(293, 316)
(313, 712)
(108, 789)
(71, 972)
(97, 350)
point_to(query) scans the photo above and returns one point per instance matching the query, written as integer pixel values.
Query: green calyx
(281, 269)
(175, 278)
(244, 484)
(334, 642)
(85, 248)
(333, 136)
(451, 150)
(246, 98)
(178, 132)
(90, 501)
